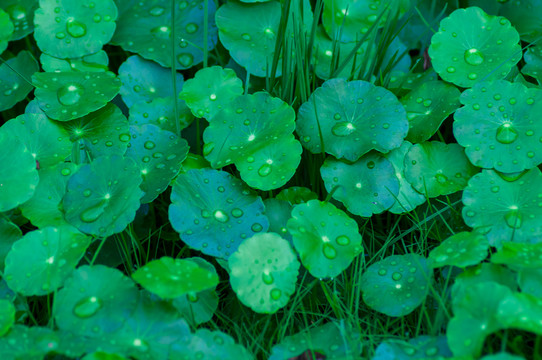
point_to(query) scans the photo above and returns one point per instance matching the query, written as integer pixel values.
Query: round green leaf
(14, 88)
(209, 345)
(519, 256)
(161, 112)
(68, 29)
(10, 233)
(396, 285)
(278, 212)
(334, 340)
(408, 198)
(484, 272)
(159, 154)
(498, 126)
(144, 80)
(150, 331)
(421, 347)
(40, 262)
(21, 14)
(525, 16)
(326, 239)
(100, 133)
(23, 342)
(263, 272)
(214, 212)
(296, 195)
(19, 177)
(95, 300)
(6, 30)
(43, 209)
(505, 210)
(353, 117)
(250, 43)
(145, 28)
(368, 186)
(462, 249)
(7, 316)
(102, 197)
(256, 134)
(533, 62)
(46, 140)
(530, 281)
(69, 95)
(198, 307)
(97, 62)
(471, 46)
(170, 278)
(211, 89)
(435, 168)
(427, 106)
(521, 311)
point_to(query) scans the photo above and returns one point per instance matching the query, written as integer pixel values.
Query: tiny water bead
(185, 59)
(474, 57)
(70, 94)
(276, 294)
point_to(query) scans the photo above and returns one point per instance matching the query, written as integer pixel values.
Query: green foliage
(270, 179)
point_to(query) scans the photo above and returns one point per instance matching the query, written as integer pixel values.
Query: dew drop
(276, 294)
(371, 165)
(87, 307)
(441, 178)
(69, 95)
(75, 28)
(205, 214)
(267, 278)
(343, 128)
(264, 170)
(237, 213)
(329, 251)
(246, 37)
(256, 227)
(513, 219)
(149, 145)
(157, 11)
(207, 148)
(67, 172)
(473, 76)
(474, 57)
(506, 134)
(450, 69)
(92, 213)
(382, 272)
(185, 59)
(342, 240)
(191, 28)
(221, 216)
(396, 276)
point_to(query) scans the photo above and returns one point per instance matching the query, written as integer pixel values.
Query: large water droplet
(329, 251)
(92, 213)
(221, 216)
(69, 94)
(161, 32)
(157, 11)
(343, 128)
(191, 28)
(149, 145)
(396, 276)
(342, 240)
(185, 59)
(237, 213)
(267, 278)
(513, 219)
(441, 178)
(474, 57)
(506, 134)
(87, 307)
(264, 170)
(276, 294)
(207, 148)
(76, 28)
